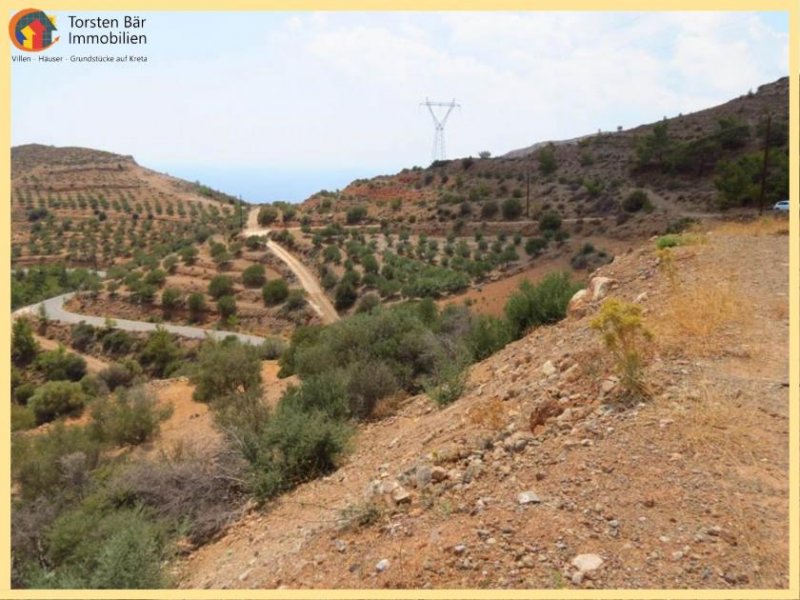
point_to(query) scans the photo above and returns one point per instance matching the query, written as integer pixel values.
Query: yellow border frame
(793, 7)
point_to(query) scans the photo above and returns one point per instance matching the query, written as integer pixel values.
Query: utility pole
(438, 124)
(764, 167)
(528, 195)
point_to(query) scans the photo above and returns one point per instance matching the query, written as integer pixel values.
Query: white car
(782, 206)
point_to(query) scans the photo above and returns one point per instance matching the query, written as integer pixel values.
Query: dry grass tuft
(722, 430)
(771, 225)
(697, 319)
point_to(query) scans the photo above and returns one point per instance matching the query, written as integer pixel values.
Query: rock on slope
(687, 490)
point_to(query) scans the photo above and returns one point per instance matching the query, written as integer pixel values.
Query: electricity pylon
(439, 123)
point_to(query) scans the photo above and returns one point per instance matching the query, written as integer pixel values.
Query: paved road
(56, 311)
(315, 295)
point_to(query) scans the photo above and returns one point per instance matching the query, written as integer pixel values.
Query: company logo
(32, 31)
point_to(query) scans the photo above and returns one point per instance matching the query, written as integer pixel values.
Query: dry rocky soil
(685, 489)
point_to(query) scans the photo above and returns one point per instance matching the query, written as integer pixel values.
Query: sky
(276, 106)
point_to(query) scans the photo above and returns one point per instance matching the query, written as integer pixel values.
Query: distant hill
(589, 176)
(92, 207)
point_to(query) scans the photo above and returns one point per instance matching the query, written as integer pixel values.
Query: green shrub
(535, 246)
(55, 399)
(296, 446)
(540, 304)
(225, 368)
(325, 392)
(345, 295)
(549, 221)
(368, 302)
(668, 241)
(271, 348)
(24, 346)
(116, 375)
(275, 291)
(171, 299)
(36, 461)
(197, 306)
(487, 335)
(161, 354)
(22, 418)
(267, 215)
(23, 392)
(254, 276)
(512, 209)
(220, 285)
(368, 382)
(118, 342)
(156, 277)
(129, 417)
(489, 209)
(356, 214)
(81, 336)
(636, 201)
(226, 306)
(295, 300)
(547, 160)
(59, 365)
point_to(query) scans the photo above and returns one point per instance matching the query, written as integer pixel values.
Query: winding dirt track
(315, 295)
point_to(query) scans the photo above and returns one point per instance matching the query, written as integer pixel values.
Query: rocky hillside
(674, 161)
(543, 475)
(91, 207)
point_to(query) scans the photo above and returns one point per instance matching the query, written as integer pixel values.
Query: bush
(625, 336)
(156, 277)
(368, 382)
(271, 348)
(23, 392)
(534, 246)
(81, 336)
(59, 365)
(550, 221)
(24, 346)
(129, 417)
(170, 299)
(345, 295)
(512, 209)
(332, 254)
(116, 375)
(324, 392)
(22, 418)
(356, 214)
(197, 306)
(489, 209)
(226, 307)
(55, 399)
(254, 276)
(267, 215)
(295, 300)
(487, 335)
(296, 446)
(223, 369)
(275, 291)
(161, 354)
(118, 342)
(636, 201)
(368, 302)
(547, 160)
(220, 285)
(540, 304)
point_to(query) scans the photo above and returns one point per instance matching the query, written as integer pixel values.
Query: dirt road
(315, 295)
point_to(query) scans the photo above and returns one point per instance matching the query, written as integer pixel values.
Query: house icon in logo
(32, 30)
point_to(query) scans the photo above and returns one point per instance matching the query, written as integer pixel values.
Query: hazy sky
(278, 105)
